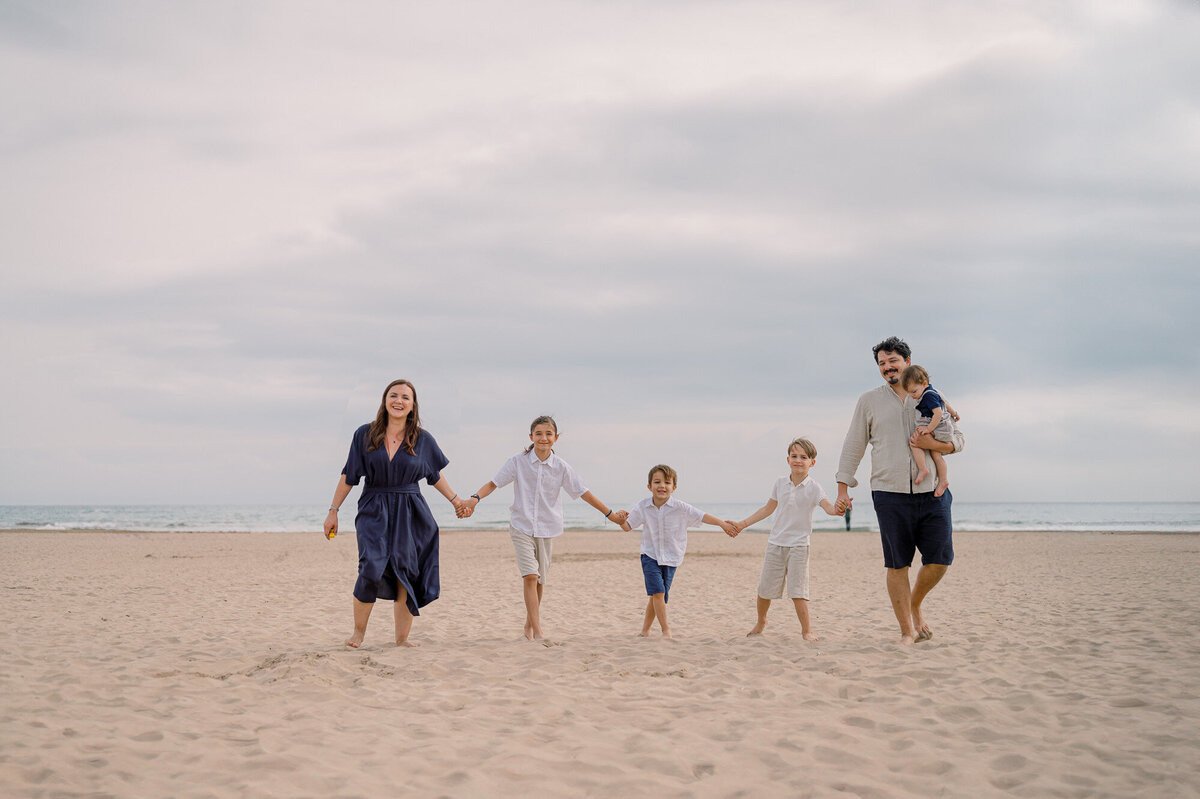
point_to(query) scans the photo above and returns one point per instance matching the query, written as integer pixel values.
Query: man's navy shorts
(908, 522)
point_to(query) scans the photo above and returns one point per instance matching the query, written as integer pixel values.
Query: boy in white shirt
(664, 521)
(786, 559)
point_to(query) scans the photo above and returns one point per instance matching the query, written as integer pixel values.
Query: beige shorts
(533, 554)
(784, 565)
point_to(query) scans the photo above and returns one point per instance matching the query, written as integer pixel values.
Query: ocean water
(1169, 517)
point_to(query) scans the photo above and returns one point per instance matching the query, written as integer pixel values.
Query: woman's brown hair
(412, 426)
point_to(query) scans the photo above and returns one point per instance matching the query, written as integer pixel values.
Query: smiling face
(399, 401)
(799, 462)
(661, 488)
(543, 437)
(891, 364)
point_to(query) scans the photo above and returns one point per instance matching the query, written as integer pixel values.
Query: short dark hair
(892, 344)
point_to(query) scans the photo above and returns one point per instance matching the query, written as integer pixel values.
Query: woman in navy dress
(397, 536)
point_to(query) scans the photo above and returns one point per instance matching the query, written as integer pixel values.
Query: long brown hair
(542, 420)
(412, 426)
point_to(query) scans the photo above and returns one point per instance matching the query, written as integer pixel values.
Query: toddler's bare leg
(404, 619)
(919, 456)
(362, 612)
(943, 475)
(802, 615)
(763, 606)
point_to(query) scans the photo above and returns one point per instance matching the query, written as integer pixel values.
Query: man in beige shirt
(910, 517)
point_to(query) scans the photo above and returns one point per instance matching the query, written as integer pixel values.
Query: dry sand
(142, 664)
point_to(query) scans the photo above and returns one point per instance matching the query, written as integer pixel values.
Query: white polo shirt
(537, 499)
(664, 530)
(793, 516)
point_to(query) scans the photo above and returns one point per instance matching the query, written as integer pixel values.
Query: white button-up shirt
(537, 498)
(794, 512)
(664, 530)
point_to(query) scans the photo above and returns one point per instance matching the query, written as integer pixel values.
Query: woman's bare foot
(906, 640)
(810, 637)
(941, 487)
(406, 642)
(356, 638)
(667, 633)
(644, 634)
(758, 628)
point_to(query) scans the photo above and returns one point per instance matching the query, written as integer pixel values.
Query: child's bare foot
(941, 487)
(758, 628)
(921, 475)
(810, 637)
(356, 638)
(406, 642)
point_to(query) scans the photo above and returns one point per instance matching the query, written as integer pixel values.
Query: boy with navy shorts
(664, 521)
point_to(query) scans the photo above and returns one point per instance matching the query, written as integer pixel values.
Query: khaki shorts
(784, 565)
(533, 554)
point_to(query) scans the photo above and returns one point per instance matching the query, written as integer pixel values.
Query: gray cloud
(1022, 213)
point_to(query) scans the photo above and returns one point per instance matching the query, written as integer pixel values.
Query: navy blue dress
(397, 536)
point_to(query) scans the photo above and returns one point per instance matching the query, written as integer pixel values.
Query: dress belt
(408, 489)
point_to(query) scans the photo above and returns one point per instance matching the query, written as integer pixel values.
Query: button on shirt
(664, 530)
(793, 516)
(537, 499)
(884, 421)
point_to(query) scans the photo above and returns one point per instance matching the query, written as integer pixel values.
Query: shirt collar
(803, 482)
(533, 458)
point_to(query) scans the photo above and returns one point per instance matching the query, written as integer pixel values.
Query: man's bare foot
(920, 626)
(406, 642)
(941, 487)
(758, 628)
(356, 638)
(810, 637)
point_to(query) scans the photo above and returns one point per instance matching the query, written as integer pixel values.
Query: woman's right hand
(331, 524)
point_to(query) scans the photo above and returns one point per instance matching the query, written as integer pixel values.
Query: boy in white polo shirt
(664, 521)
(786, 559)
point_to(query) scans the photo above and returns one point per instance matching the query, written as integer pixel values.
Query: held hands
(462, 507)
(843, 504)
(618, 517)
(731, 528)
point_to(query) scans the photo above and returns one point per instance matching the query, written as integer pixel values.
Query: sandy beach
(148, 664)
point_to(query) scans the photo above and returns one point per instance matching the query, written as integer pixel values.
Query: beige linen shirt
(884, 421)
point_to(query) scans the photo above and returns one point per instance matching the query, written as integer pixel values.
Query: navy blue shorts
(910, 522)
(658, 577)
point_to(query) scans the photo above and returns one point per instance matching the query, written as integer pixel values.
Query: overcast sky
(678, 226)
